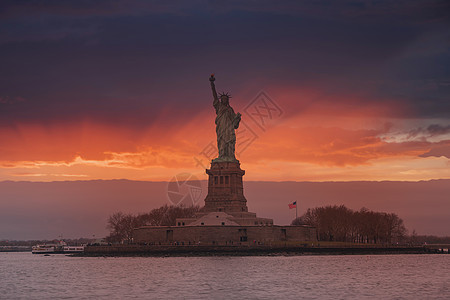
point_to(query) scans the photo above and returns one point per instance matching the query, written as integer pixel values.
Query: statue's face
(225, 100)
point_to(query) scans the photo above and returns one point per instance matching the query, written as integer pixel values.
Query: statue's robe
(226, 122)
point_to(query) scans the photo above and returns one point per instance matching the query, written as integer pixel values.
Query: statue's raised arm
(213, 87)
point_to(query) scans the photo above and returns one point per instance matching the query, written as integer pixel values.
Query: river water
(28, 276)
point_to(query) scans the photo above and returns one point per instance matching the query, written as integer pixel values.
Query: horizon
(309, 181)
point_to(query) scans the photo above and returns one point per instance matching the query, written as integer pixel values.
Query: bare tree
(121, 225)
(338, 223)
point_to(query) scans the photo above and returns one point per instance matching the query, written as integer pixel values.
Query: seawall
(208, 250)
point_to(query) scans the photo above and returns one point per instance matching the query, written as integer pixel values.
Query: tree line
(339, 223)
(121, 225)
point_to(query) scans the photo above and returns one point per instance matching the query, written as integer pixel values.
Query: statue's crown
(224, 94)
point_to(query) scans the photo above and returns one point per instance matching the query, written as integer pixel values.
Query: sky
(73, 209)
(328, 90)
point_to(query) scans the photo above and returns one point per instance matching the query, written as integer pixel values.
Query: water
(27, 276)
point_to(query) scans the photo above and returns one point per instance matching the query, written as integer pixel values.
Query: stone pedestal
(225, 188)
(225, 204)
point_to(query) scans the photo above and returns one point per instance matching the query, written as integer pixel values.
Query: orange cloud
(329, 146)
(321, 136)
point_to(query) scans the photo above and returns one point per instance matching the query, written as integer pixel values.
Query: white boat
(44, 249)
(56, 248)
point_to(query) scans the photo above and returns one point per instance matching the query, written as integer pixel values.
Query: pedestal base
(225, 188)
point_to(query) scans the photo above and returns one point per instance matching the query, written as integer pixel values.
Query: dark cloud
(436, 129)
(83, 8)
(11, 100)
(439, 149)
(400, 11)
(127, 61)
(430, 131)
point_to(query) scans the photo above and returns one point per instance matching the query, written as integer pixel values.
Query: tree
(338, 223)
(121, 225)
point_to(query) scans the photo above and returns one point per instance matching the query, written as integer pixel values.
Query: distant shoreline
(177, 251)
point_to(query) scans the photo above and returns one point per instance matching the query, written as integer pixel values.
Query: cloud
(441, 149)
(332, 147)
(11, 9)
(138, 160)
(11, 100)
(413, 9)
(436, 129)
(46, 175)
(118, 67)
(432, 131)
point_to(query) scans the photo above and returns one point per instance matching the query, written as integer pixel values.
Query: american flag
(292, 205)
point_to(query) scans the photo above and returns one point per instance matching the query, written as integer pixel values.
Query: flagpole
(296, 214)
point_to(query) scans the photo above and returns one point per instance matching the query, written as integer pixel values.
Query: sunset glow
(315, 139)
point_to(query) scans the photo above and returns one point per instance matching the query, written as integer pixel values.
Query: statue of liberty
(226, 122)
